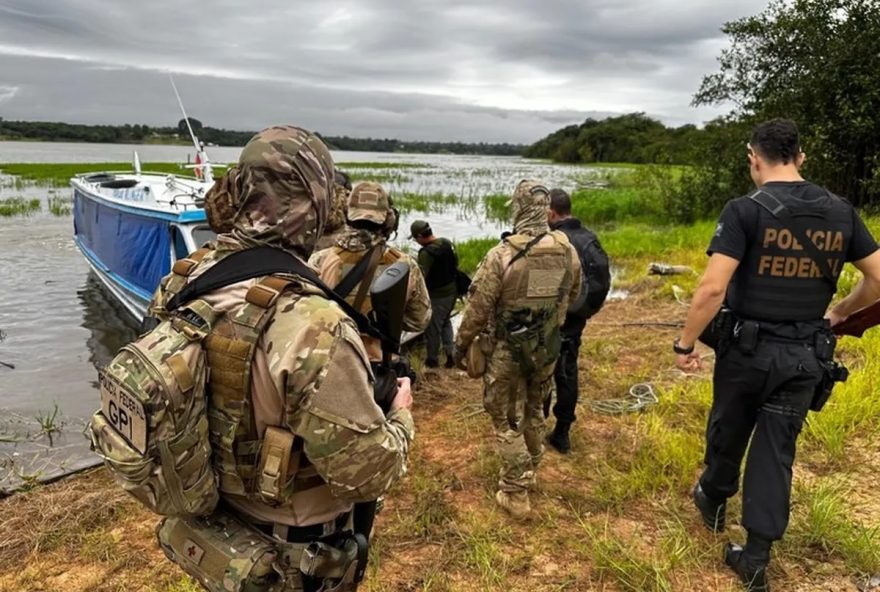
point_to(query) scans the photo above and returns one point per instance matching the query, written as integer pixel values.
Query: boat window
(202, 234)
(180, 248)
(120, 184)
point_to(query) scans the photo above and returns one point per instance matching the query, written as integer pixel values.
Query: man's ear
(801, 159)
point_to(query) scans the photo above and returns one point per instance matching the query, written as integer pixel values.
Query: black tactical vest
(777, 280)
(444, 266)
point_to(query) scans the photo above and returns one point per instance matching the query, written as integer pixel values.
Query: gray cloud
(428, 69)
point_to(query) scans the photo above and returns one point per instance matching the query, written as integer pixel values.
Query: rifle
(388, 297)
(860, 321)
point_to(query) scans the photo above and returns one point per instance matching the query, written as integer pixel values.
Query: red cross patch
(193, 552)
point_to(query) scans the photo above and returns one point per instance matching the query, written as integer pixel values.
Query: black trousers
(566, 373)
(764, 396)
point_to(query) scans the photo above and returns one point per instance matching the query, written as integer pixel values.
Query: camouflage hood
(357, 239)
(531, 200)
(278, 195)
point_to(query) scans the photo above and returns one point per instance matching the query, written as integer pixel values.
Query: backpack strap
(777, 209)
(186, 265)
(258, 262)
(181, 270)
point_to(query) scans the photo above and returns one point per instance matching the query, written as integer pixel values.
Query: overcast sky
(503, 70)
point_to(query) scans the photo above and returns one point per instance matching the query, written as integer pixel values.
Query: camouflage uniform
(543, 279)
(310, 374)
(369, 201)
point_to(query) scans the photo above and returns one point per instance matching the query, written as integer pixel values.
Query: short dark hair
(560, 202)
(777, 140)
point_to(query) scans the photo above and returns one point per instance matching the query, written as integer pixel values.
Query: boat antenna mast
(202, 161)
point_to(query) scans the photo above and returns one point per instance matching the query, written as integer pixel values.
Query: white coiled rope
(641, 396)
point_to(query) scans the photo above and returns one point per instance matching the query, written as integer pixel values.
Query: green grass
(18, 206)
(346, 166)
(382, 178)
(59, 174)
(854, 406)
(60, 206)
(822, 526)
(471, 251)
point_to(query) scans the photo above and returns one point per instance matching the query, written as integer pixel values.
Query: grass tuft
(822, 524)
(18, 206)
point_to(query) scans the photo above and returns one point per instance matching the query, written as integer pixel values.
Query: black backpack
(595, 275)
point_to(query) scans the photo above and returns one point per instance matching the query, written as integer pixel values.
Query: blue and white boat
(132, 226)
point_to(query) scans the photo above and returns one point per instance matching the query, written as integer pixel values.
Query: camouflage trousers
(514, 403)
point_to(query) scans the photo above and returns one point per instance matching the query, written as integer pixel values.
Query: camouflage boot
(515, 502)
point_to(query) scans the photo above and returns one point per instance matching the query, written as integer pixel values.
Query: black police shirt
(772, 260)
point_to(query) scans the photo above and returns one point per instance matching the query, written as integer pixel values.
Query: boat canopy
(135, 247)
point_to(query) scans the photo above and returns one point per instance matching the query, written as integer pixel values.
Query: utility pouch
(477, 357)
(338, 567)
(534, 339)
(717, 333)
(745, 333)
(274, 463)
(222, 553)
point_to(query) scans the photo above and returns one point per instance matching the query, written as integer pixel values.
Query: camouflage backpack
(152, 428)
(155, 430)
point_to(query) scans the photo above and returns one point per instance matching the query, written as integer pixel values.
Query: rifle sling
(351, 279)
(374, 257)
(525, 250)
(778, 210)
(258, 262)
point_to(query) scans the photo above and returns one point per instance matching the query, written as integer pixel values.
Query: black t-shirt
(776, 279)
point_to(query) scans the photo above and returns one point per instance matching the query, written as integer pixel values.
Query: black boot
(752, 571)
(450, 362)
(559, 438)
(711, 510)
(432, 363)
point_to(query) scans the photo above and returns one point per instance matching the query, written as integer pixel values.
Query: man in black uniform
(579, 310)
(777, 287)
(439, 265)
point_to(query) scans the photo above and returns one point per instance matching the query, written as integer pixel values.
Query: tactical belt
(301, 534)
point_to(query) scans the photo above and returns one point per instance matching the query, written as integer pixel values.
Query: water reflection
(109, 324)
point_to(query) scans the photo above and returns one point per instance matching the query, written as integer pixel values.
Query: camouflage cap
(531, 200)
(279, 194)
(368, 201)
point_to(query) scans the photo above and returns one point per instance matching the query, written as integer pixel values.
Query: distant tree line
(136, 134)
(634, 138)
(814, 61)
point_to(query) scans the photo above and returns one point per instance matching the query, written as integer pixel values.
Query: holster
(718, 332)
(832, 371)
(336, 564)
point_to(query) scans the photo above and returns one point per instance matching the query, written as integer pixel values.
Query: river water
(57, 324)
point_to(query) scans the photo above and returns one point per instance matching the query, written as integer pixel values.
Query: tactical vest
(267, 469)
(533, 287)
(351, 258)
(444, 265)
(777, 280)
